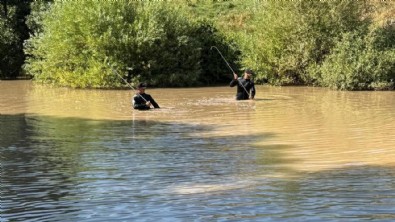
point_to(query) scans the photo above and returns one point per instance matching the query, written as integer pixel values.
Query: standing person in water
(245, 85)
(140, 103)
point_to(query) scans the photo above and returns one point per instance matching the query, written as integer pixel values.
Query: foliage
(13, 32)
(152, 39)
(286, 37)
(35, 19)
(360, 62)
(340, 44)
(7, 41)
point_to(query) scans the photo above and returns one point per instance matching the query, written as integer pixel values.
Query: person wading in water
(141, 100)
(245, 85)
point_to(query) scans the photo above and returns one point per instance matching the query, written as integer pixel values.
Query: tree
(13, 34)
(81, 40)
(287, 37)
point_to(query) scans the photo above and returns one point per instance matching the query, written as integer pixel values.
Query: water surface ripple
(293, 154)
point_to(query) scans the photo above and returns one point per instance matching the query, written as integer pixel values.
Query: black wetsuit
(241, 92)
(140, 103)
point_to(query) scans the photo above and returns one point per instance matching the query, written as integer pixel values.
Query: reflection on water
(293, 154)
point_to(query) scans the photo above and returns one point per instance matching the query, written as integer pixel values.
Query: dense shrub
(341, 44)
(289, 36)
(13, 31)
(7, 41)
(360, 62)
(152, 39)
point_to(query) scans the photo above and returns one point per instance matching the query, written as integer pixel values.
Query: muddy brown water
(292, 154)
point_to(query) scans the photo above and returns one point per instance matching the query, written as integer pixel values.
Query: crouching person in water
(143, 101)
(245, 85)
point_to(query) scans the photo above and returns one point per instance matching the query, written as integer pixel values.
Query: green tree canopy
(339, 44)
(13, 32)
(79, 40)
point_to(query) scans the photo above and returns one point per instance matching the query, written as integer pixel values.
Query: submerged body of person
(245, 85)
(142, 100)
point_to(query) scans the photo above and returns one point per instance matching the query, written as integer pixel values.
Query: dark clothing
(241, 92)
(139, 103)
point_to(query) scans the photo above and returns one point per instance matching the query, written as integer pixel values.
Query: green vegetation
(345, 45)
(81, 40)
(324, 43)
(13, 32)
(360, 61)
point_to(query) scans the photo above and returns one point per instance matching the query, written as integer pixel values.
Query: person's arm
(153, 102)
(252, 91)
(234, 81)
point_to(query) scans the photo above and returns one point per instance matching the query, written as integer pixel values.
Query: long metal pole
(230, 68)
(114, 71)
(223, 58)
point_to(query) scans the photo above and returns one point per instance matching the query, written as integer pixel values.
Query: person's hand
(148, 103)
(235, 76)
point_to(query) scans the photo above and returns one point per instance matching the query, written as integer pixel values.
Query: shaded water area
(293, 154)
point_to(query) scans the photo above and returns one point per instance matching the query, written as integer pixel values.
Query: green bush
(7, 41)
(167, 43)
(152, 39)
(287, 37)
(13, 32)
(359, 62)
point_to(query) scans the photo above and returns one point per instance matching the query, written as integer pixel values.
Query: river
(292, 154)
